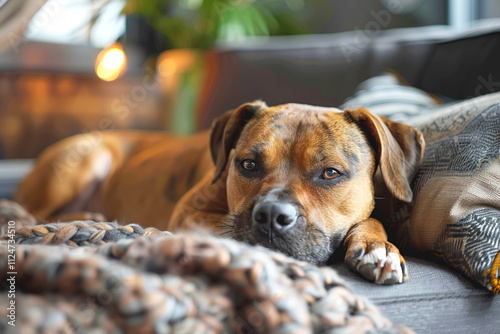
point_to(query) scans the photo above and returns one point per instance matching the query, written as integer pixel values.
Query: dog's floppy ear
(226, 130)
(399, 149)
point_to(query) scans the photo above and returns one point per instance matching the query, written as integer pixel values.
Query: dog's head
(299, 177)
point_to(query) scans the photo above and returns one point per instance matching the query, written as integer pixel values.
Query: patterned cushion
(384, 95)
(456, 208)
(455, 213)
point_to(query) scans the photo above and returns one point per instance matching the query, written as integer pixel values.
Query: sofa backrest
(325, 69)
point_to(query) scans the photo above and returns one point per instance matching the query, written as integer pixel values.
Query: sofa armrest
(11, 173)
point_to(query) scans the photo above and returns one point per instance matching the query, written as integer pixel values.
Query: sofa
(325, 70)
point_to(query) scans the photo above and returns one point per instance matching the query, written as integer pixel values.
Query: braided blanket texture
(88, 277)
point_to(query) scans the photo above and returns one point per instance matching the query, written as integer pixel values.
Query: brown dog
(295, 178)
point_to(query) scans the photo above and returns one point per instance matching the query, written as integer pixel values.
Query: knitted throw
(88, 277)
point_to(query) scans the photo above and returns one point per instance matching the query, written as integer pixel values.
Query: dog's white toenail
(361, 254)
(393, 258)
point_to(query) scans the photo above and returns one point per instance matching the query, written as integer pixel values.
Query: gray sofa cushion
(463, 68)
(11, 172)
(434, 300)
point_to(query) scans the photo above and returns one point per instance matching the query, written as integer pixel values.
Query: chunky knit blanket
(90, 277)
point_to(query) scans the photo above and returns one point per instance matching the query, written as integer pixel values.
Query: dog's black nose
(278, 214)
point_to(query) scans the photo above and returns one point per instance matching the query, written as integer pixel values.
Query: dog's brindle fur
(148, 177)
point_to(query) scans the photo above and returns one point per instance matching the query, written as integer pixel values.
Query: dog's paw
(377, 261)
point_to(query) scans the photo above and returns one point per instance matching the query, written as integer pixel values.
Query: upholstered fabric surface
(11, 171)
(434, 300)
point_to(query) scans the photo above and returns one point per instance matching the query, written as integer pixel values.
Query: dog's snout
(277, 214)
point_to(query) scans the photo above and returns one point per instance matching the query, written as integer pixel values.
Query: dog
(295, 178)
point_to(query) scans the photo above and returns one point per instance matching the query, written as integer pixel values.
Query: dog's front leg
(204, 205)
(370, 254)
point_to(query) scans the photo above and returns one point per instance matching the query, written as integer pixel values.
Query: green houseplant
(190, 27)
(199, 24)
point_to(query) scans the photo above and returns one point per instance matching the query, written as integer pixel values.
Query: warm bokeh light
(111, 63)
(175, 61)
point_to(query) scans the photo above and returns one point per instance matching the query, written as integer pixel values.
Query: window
(65, 21)
(462, 13)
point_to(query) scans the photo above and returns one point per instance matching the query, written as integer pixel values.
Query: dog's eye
(248, 164)
(330, 173)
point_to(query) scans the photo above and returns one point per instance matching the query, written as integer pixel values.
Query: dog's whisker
(226, 226)
(224, 229)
